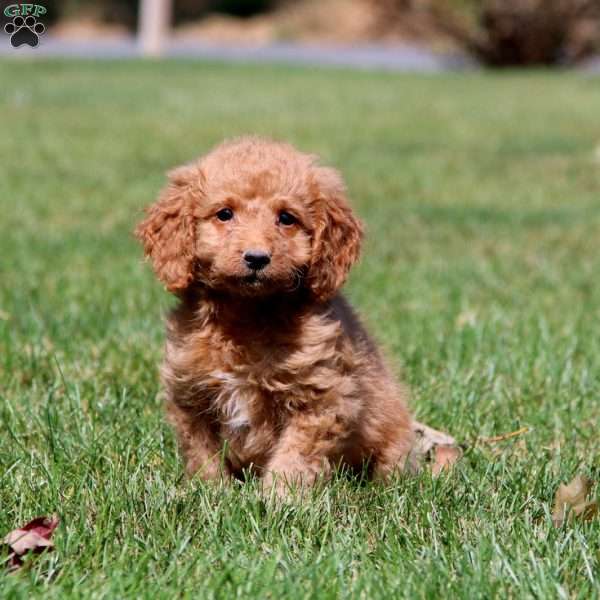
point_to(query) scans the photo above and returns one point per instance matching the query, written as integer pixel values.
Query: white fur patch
(232, 401)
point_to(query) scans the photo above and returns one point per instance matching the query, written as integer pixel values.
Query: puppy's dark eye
(285, 218)
(225, 214)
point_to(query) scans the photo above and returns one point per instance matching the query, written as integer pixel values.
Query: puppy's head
(252, 218)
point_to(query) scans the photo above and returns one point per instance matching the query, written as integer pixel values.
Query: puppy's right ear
(168, 231)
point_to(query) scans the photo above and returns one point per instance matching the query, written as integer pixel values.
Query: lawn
(481, 196)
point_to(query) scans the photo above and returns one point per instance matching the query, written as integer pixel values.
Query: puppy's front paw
(208, 470)
(294, 481)
(274, 485)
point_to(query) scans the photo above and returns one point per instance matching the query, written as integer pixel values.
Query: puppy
(267, 367)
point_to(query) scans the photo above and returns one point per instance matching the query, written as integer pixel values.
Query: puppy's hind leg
(388, 438)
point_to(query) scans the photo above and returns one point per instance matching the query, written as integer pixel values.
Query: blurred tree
(515, 32)
(507, 32)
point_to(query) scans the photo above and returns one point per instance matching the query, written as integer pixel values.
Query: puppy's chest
(235, 400)
(244, 388)
(260, 383)
(248, 379)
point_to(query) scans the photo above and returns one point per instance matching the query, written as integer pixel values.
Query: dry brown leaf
(571, 501)
(31, 537)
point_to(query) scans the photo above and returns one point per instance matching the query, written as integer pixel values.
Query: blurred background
(479, 186)
(469, 32)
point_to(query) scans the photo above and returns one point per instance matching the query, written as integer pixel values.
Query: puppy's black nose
(256, 259)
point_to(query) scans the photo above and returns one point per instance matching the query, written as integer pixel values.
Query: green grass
(481, 196)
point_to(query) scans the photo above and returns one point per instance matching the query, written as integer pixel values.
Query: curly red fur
(169, 229)
(338, 235)
(270, 366)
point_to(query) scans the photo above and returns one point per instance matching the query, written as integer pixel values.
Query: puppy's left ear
(338, 234)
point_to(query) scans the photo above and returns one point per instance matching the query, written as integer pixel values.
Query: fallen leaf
(32, 537)
(570, 501)
(435, 447)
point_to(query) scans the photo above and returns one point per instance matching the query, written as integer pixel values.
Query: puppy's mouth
(255, 283)
(253, 279)
(252, 282)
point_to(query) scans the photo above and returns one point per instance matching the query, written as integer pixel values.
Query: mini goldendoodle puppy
(266, 366)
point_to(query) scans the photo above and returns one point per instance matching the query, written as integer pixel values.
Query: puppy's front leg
(308, 446)
(198, 443)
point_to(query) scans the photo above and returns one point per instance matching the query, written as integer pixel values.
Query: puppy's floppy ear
(168, 231)
(337, 237)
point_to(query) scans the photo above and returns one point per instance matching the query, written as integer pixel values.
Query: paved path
(392, 58)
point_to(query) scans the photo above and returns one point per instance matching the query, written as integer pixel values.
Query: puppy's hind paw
(435, 447)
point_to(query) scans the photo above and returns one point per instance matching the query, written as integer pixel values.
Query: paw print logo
(24, 31)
